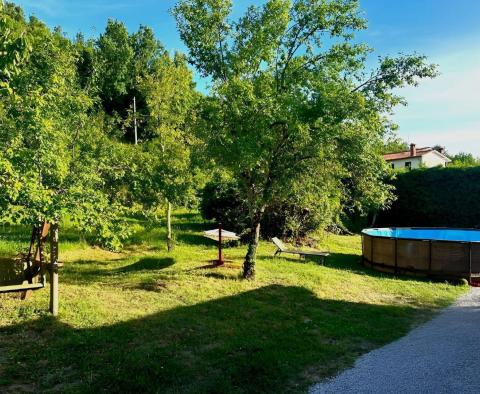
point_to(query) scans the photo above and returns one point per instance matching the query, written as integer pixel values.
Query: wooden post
(54, 269)
(24, 295)
(40, 256)
(470, 263)
(430, 257)
(38, 265)
(396, 256)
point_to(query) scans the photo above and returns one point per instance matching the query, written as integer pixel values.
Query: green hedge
(436, 197)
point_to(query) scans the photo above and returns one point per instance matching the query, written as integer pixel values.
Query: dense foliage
(443, 197)
(463, 159)
(52, 154)
(66, 124)
(394, 144)
(99, 129)
(294, 218)
(292, 107)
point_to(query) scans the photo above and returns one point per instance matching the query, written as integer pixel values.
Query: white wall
(431, 159)
(416, 162)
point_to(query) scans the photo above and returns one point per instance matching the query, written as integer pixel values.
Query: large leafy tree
(119, 64)
(291, 104)
(66, 119)
(53, 152)
(121, 68)
(463, 159)
(167, 168)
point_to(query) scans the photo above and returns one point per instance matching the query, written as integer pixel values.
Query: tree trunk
(249, 263)
(374, 219)
(54, 269)
(169, 226)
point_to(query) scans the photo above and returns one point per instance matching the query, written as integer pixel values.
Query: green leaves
(288, 116)
(257, 36)
(115, 58)
(14, 47)
(394, 73)
(53, 153)
(204, 27)
(286, 111)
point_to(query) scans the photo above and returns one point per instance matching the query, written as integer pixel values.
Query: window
(393, 165)
(408, 164)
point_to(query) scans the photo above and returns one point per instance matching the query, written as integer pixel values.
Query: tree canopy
(65, 116)
(463, 159)
(97, 129)
(292, 106)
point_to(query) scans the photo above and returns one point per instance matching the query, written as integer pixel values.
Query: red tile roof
(406, 154)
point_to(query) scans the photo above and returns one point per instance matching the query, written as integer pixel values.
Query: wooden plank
(22, 287)
(306, 253)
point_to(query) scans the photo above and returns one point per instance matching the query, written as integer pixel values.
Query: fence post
(396, 258)
(371, 250)
(470, 263)
(430, 257)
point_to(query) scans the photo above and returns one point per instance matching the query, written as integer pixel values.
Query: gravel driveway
(441, 356)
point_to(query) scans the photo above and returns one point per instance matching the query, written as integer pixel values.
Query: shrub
(435, 197)
(293, 218)
(220, 201)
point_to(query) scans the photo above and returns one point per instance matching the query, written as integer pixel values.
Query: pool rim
(420, 228)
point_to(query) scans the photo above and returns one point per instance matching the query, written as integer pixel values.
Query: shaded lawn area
(149, 321)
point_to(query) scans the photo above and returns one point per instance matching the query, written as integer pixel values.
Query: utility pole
(135, 119)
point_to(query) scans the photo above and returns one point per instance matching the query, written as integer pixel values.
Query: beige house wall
(431, 159)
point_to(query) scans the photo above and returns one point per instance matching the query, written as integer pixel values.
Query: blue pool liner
(437, 234)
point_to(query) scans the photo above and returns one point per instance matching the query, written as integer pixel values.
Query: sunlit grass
(150, 321)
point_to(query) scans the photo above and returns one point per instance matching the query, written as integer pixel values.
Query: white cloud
(465, 138)
(446, 109)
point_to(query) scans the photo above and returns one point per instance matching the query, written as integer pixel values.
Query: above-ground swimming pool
(438, 252)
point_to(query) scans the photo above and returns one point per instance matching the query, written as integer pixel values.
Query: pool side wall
(439, 259)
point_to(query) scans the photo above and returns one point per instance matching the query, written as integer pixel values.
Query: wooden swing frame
(36, 268)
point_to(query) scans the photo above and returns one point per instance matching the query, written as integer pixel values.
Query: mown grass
(148, 321)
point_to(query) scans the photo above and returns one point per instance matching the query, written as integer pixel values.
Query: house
(417, 157)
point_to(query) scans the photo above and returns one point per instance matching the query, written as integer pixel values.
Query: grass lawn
(148, 321)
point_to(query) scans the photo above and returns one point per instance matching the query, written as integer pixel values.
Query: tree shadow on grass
(353, 263)
(193, 226)
(71, 274)
(308, 259)
(148, 264)
(272, 339)
(200, 240)
(223, 276)
(187, 216)
(195, 239)
(22, 234)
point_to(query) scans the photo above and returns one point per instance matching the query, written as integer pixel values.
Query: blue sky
(443, 111)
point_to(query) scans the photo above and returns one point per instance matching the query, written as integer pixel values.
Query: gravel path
(441, 356)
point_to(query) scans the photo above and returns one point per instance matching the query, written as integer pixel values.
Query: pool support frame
(463, 264)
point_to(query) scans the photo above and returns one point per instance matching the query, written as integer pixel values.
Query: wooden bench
(281, 248)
